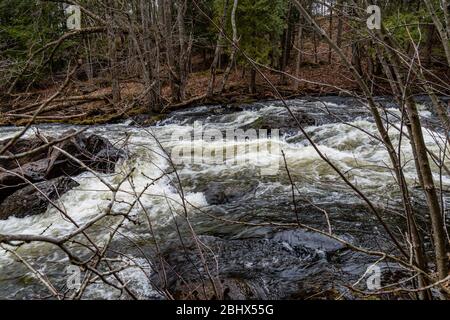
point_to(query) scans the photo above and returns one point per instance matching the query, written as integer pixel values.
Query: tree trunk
(340, 22)
(356, 57)
(233, 47)
(316, 58)
(442, 29)
(416, 238)
(217, 51)
(149, 57)
(113, 39)
(286, 45)
(89, 70)
(300, 52)
(184, 51)
(170, 54)
(429, 44)
(330, 50)
(437, 222)
(252, 86)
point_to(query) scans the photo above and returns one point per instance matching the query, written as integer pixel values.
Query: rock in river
(49, 169)
(33, 200)
(288, 264)
(220, 192)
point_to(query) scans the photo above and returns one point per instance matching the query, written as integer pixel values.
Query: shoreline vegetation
(88, 103)
(113, 78)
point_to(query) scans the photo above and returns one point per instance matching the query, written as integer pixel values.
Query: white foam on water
(91, 198)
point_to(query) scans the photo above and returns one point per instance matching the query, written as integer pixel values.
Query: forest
(224, 149)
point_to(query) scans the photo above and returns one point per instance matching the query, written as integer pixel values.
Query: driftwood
(48, 117)
(63, 102)
(185, 103)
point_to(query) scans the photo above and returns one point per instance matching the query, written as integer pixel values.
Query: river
(270, 261)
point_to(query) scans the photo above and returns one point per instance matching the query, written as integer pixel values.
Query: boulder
(33, 200)
(94, 151)
(22, 145)
(49, 163)
(14, 180)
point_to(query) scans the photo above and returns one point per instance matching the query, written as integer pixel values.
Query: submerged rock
(315, 241)
(289, 264)
(282, 121)
(220, 192)
(33, 200)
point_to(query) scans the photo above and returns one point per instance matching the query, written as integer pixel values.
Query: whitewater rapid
(362, 158)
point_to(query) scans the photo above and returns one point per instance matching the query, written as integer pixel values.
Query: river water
(272, 262)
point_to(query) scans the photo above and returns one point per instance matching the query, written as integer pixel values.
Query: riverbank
(91, 102)
(87, 103)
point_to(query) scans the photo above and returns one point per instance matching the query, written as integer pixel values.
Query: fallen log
(75, 99)
(48, 117)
